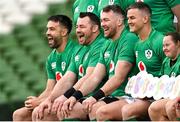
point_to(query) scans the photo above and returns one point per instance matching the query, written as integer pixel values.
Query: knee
(101, 113)
(169, 107)
(16, 115)
(34, 114)
(126, 113)
(19, 115)
(92, 114)
(153, 109)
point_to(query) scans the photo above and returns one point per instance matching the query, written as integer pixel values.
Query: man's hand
(58, 103)
(46, 104)
(31, 102)
(67, 106)
(88, 103)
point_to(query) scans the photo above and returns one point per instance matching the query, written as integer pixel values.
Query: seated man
(58, 30)
(116, 60)
(82, 65)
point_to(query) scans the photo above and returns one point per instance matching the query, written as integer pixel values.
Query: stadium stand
(23, 49)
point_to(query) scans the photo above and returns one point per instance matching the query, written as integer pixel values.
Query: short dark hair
(63, 20)
(175, 36)
(94, 18)
(141, 6)
(115, 8)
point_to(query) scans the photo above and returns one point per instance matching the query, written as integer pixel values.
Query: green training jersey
(162, 15)
(149, 53)
(84, 6)
(87, 56)
(76, 61)
(57, 63)
(173, 70)
(122, 3)
(121, 49)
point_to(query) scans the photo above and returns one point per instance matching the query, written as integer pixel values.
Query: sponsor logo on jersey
(58, 76)
(53, 65)
(77, 58)
(136, 54)
(148, 53)
(141, 66)
(111, 2)
(111, 67)
(81, 70)
(106, 54)
(63, 65)
(90, 8)
(173, 74)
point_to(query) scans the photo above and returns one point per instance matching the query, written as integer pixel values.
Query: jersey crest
(148, 53)
(141, 66)
(81, 70)
(90, 8)
(139, 0)
(63, 65)
(77, 58)
(111, 2)
(58, 76)
(173, 74)
(86, 56)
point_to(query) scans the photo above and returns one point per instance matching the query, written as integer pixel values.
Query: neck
(145, 32)
(118, 33)
(178, 53)
(63, 44)
(93, 37)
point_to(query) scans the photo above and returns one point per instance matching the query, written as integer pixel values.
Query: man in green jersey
(58, 29)
(84, 6)
(82, 65)
(116, 60)
(164, 109)
(163, 12)
(148, 51)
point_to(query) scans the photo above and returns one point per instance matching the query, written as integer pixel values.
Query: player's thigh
(112, 109)
(158, 106)
(139, 107)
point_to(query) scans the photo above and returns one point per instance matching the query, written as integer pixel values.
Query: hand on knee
(101, 114)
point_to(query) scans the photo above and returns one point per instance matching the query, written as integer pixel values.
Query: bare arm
(49, 87)
(89, 71)
(63, 85)
(121, 71)
(94, 79)
(176, 11)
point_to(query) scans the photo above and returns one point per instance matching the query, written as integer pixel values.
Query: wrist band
(69, 92)
(78, 95)
(99, 94)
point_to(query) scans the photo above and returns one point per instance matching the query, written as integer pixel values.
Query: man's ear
(95, 28)
(64, 32)
(120, 21)
(146, 19)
